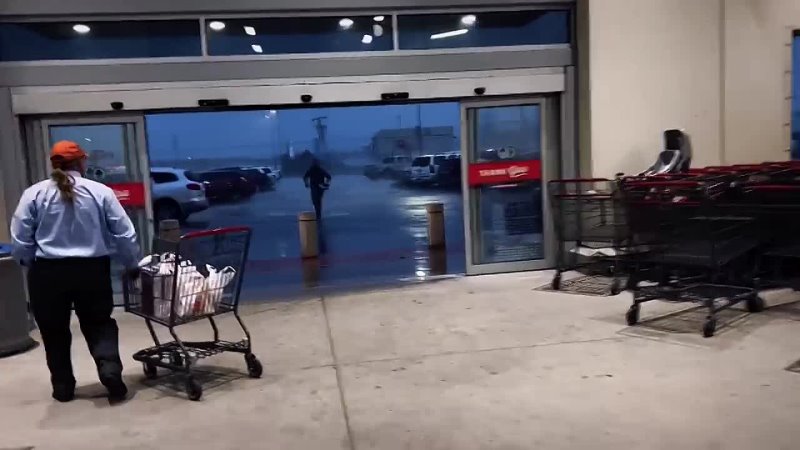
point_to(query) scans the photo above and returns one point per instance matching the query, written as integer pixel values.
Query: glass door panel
(117, 156)
(507, 163)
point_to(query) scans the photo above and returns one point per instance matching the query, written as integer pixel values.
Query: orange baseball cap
(67, 150)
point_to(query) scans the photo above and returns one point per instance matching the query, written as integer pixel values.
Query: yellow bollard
(309, 240)
(435, 225)
(169, 230)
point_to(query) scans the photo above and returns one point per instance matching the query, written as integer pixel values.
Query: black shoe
(117, 391)
(64, 393)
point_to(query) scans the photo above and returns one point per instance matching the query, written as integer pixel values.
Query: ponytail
(65, 184)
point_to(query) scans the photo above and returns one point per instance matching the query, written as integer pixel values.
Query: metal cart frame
(141, 296)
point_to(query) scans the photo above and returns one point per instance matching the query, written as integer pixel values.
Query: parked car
(226, 185)
(424, 169)
(262, 181)
(176, 194)
(275, 174)
(394, 166)
(448, 174)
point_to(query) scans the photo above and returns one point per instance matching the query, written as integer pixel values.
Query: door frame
(139, 161)
(551, 133)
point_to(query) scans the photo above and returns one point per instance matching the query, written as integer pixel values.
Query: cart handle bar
(580, 180)
(680, 183)
(216, 232)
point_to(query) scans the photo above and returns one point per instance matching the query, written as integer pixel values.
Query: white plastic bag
(215, 287)
(191, 286)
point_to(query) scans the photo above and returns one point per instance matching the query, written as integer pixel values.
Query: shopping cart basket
(590, 226)
(776, 208)
(196, 278)
(694, 238)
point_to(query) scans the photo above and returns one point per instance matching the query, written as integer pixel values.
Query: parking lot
(373, 232)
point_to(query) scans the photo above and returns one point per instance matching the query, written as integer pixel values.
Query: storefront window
(99, 40)
(285, 35)
(489, 29)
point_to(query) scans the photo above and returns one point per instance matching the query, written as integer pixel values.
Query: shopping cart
(698, 244)
(590, 227)
(196, 278)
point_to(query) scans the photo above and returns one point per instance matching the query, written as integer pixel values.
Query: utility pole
(320, 123)
(419, 129)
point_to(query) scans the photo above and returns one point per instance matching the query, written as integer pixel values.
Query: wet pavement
(373, 232)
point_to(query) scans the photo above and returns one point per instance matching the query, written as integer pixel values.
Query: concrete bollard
(435, 225)
(309, 239)
(169, 230)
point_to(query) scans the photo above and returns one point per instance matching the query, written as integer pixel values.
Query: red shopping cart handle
(580, 180)
(216, 232)
(676, 183)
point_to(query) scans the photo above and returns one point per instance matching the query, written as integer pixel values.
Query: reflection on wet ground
(373, 232)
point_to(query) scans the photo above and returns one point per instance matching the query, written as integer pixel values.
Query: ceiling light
(251, 31)
(81, 28)
(379, 18)
(346, 23)
(448, 34)
(469, 20)
(377, 30)
(367, 39)
(257, 48)
(217, 25)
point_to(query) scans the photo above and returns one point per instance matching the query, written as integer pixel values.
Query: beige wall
(719, 68)
(654, 64)
(758, 35)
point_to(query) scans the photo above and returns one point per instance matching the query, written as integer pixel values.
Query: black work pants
(55, 286)
(316, 199)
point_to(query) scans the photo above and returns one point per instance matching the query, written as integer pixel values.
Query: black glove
(133, 273)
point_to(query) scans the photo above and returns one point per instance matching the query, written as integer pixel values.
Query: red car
(225, 185)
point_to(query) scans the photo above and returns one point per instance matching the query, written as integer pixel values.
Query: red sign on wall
(129, 194)
(504, 172)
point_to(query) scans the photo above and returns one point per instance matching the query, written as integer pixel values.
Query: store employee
(64, 230)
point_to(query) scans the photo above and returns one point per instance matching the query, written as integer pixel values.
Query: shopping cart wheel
(556, 283)
(193, 389)
(632, 316)
(254, 367)
(755, 304)
(710, 327)
(150, 370)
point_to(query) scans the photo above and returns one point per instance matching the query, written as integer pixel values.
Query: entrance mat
(595, 285)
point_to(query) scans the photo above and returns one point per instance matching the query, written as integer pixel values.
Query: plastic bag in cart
(217, 281)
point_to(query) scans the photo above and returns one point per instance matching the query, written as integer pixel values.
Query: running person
(318, 180)
(64, 231)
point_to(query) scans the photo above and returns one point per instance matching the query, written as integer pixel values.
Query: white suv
(176, 194)
(424, 169)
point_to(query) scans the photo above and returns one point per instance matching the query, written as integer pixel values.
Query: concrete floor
(471, 363)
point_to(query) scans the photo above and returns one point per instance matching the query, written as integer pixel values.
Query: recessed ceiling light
(257, 48)
(379, 18)
(217, 25)
(81, 28)
(346, 23)
(448, 34)
(367, 39)
(469, 20)
(377, 30)
(251, 31)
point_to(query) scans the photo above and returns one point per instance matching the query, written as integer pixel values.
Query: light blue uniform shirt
(94, 225)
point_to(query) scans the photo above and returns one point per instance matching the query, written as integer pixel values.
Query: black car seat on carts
(676, 156)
